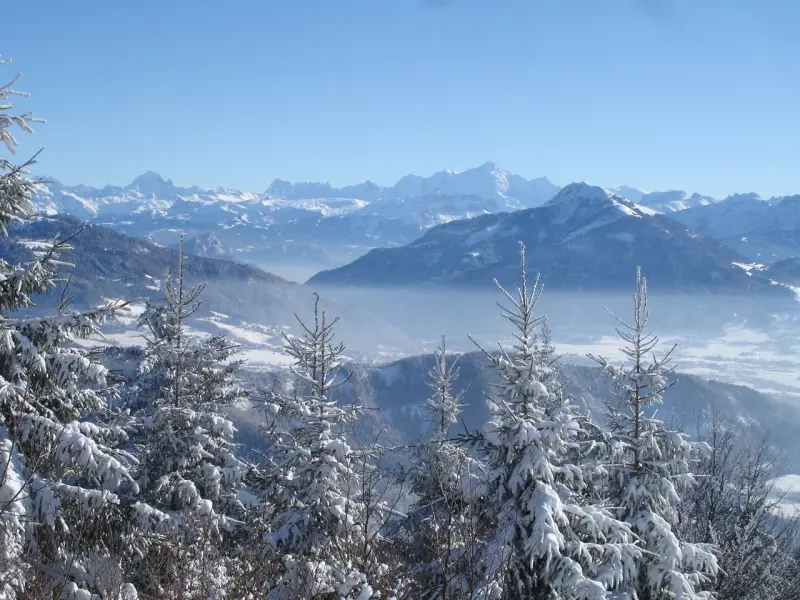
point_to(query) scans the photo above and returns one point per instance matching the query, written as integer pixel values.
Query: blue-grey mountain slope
(104, 264)
(585, 238)
(786, 271)
(761, 230)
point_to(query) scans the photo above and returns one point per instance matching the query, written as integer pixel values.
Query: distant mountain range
(247, 226)
(295, 223)
(311, 224)
(299, 229)
(762, 230)
(664, 202)
(674, 200)
(488, 181)
(585, 238)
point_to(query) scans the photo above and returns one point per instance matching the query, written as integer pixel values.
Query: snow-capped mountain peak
(151, 184)
(670, 201)
(631, 193)
(280, 188)
(749, 224)
(743, 198)
(787, 201)
(493, 171)
(584, 192)
(306, 189)
(487, 181)
(583, 201)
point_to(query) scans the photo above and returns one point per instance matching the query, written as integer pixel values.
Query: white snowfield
(260, 346)
(743, 356)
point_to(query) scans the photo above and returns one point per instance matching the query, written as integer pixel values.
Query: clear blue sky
(698, 94)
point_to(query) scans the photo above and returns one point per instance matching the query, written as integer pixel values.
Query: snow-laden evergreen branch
(449, 484)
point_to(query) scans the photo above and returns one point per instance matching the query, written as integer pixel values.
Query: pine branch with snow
(15, 185)
(736, 506)
(443, 407)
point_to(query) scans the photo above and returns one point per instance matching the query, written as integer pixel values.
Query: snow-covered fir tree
(190, 473)
(443, 407)
(447, 482)
(61, 472)
(310, 482)
(649, 464)
(438, 478)
(548, 541)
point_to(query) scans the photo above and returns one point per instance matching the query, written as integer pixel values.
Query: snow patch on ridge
(749, 268)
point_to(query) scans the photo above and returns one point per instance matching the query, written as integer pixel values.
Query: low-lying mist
(426, 314)
(737, 340)
(298, 272)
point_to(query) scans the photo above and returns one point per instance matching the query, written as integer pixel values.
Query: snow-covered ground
(261, 346)
(763, 360)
